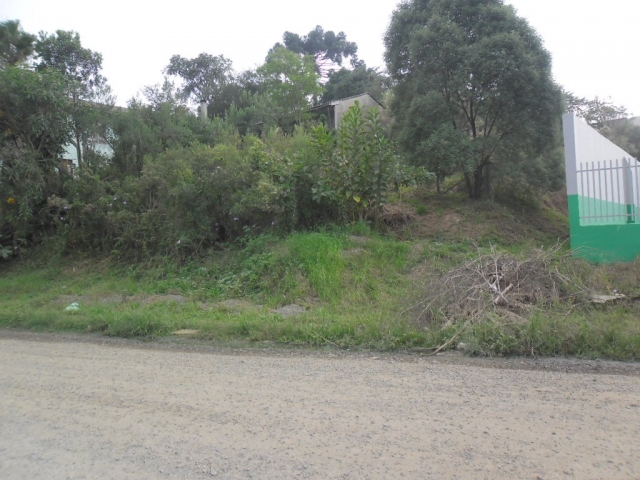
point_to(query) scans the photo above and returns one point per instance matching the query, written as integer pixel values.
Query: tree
(290, 82)
(253, 113)
(625, 134)
(597, 112)
(355, 170)
(204, 77)
(447, 151)
(150, 126)
(346, 83)
(16, 46)
(327, 48)
(235, 92)
(34, 127)
(63, 52)
(35, 112)
(490, 74)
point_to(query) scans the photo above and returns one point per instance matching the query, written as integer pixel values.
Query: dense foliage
(470, 93)
(346, 83)
(155, 178)
(475, 67)
(16, 46)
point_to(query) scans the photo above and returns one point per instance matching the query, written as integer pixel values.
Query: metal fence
(609, 192)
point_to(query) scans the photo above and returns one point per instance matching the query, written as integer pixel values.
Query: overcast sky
(594, 44)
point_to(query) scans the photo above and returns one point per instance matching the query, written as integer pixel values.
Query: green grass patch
(350, 281)
(592, 333)
(354, 284)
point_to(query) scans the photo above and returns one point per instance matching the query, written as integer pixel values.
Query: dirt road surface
(74, 409)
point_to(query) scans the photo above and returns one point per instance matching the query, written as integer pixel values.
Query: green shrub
(188, 199)
(357, 171)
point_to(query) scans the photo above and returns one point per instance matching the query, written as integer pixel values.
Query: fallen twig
(329, 341)
(501, 294)
(448, 342)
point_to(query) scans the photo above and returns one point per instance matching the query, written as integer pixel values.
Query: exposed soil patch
(115, 299)
(462, 219)
(352, 252)
(108, 299)
(233, 305)
(151, 299)
(357, 239)
(292, 310)
(186, 331)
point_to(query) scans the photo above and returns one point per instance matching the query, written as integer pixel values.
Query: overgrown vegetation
(357, 289)
(161, 216)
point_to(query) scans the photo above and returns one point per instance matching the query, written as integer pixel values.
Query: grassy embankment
(357, 287)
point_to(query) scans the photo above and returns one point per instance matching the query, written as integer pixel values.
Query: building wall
(98, 146)
(603, 186)
(343, 106)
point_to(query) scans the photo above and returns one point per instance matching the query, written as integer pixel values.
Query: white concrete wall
(586, 149)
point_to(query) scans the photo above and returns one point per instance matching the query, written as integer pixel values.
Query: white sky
(594, 44)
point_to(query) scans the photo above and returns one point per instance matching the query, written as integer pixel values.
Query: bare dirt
(87, 407)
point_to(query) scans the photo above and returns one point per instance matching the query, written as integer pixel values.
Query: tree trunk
(78, 147)
(203, 111)
(478, 181)
(487, 178)
(467, 181)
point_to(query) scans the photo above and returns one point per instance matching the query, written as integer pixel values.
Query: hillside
(352, 287)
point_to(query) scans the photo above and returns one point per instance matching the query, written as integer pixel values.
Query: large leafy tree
(34, 111)
(290, 83)
(327, 48)
(35, 114)
(204, 78)
(348, 82)
(477, 66)
(16, 46)
(624, 133)
(63, 52)
(596, 112)
(157, 121)
(235, 92)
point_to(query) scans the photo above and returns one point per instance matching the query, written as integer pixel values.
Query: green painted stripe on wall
(612, 213)
(602, 243)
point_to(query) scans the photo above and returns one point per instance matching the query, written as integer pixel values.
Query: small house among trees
(335, 110)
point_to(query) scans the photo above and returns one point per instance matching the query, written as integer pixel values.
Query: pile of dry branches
(501, 284)
(396, 216)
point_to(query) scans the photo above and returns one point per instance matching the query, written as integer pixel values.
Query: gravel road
(93, 409)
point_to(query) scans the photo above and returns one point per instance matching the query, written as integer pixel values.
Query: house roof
(340, 100)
